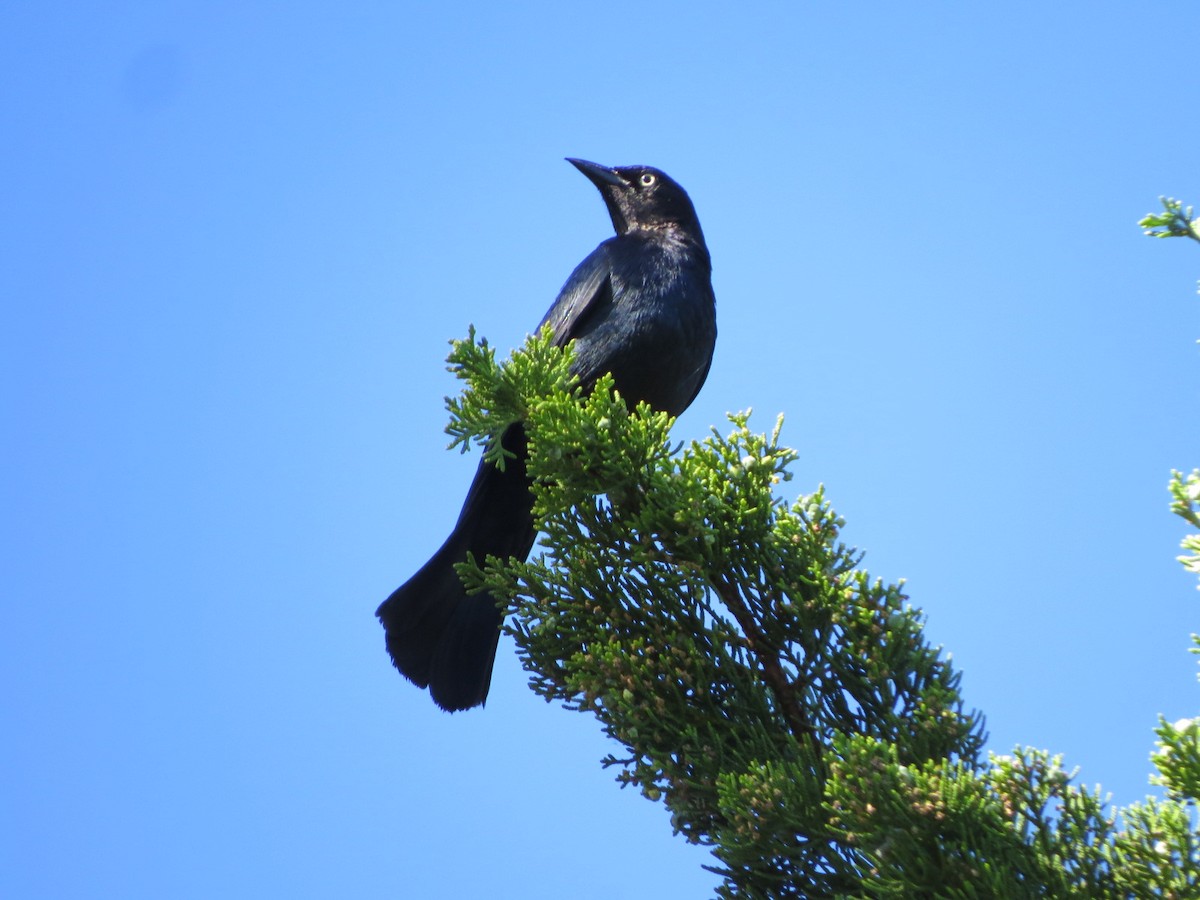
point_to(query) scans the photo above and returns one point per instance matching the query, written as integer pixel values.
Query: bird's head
(641, 197)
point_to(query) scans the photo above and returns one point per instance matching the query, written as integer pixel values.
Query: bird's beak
(597, 174)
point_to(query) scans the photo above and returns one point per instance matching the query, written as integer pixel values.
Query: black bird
(640, 306)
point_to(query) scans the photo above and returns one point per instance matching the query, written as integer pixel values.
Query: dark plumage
(639, 306)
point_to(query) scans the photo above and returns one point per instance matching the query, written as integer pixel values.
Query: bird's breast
(658, 336)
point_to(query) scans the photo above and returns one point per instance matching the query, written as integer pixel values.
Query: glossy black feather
(640, 306)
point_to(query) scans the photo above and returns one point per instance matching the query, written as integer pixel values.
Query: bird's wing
(588, 291)
(700, 381)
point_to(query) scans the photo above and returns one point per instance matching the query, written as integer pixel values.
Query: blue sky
(236, 239)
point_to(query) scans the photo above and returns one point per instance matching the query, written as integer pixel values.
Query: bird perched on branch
(640, 306)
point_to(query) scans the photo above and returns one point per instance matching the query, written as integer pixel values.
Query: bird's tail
(437, 635)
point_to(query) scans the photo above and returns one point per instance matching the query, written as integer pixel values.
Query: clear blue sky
(235, 239)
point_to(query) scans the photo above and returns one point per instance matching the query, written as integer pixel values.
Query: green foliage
(1157, 855)
(1185, 503)
(1185, 496)
(501, 394)
(1014, 829)
(1173, 221)
(1178, 757)
(784, 706)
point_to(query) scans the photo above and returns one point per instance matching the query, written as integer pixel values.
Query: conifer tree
(783, 705)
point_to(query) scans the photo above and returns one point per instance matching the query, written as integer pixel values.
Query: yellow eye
(647, 180)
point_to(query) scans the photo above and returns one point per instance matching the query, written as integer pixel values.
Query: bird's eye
(647, 179)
